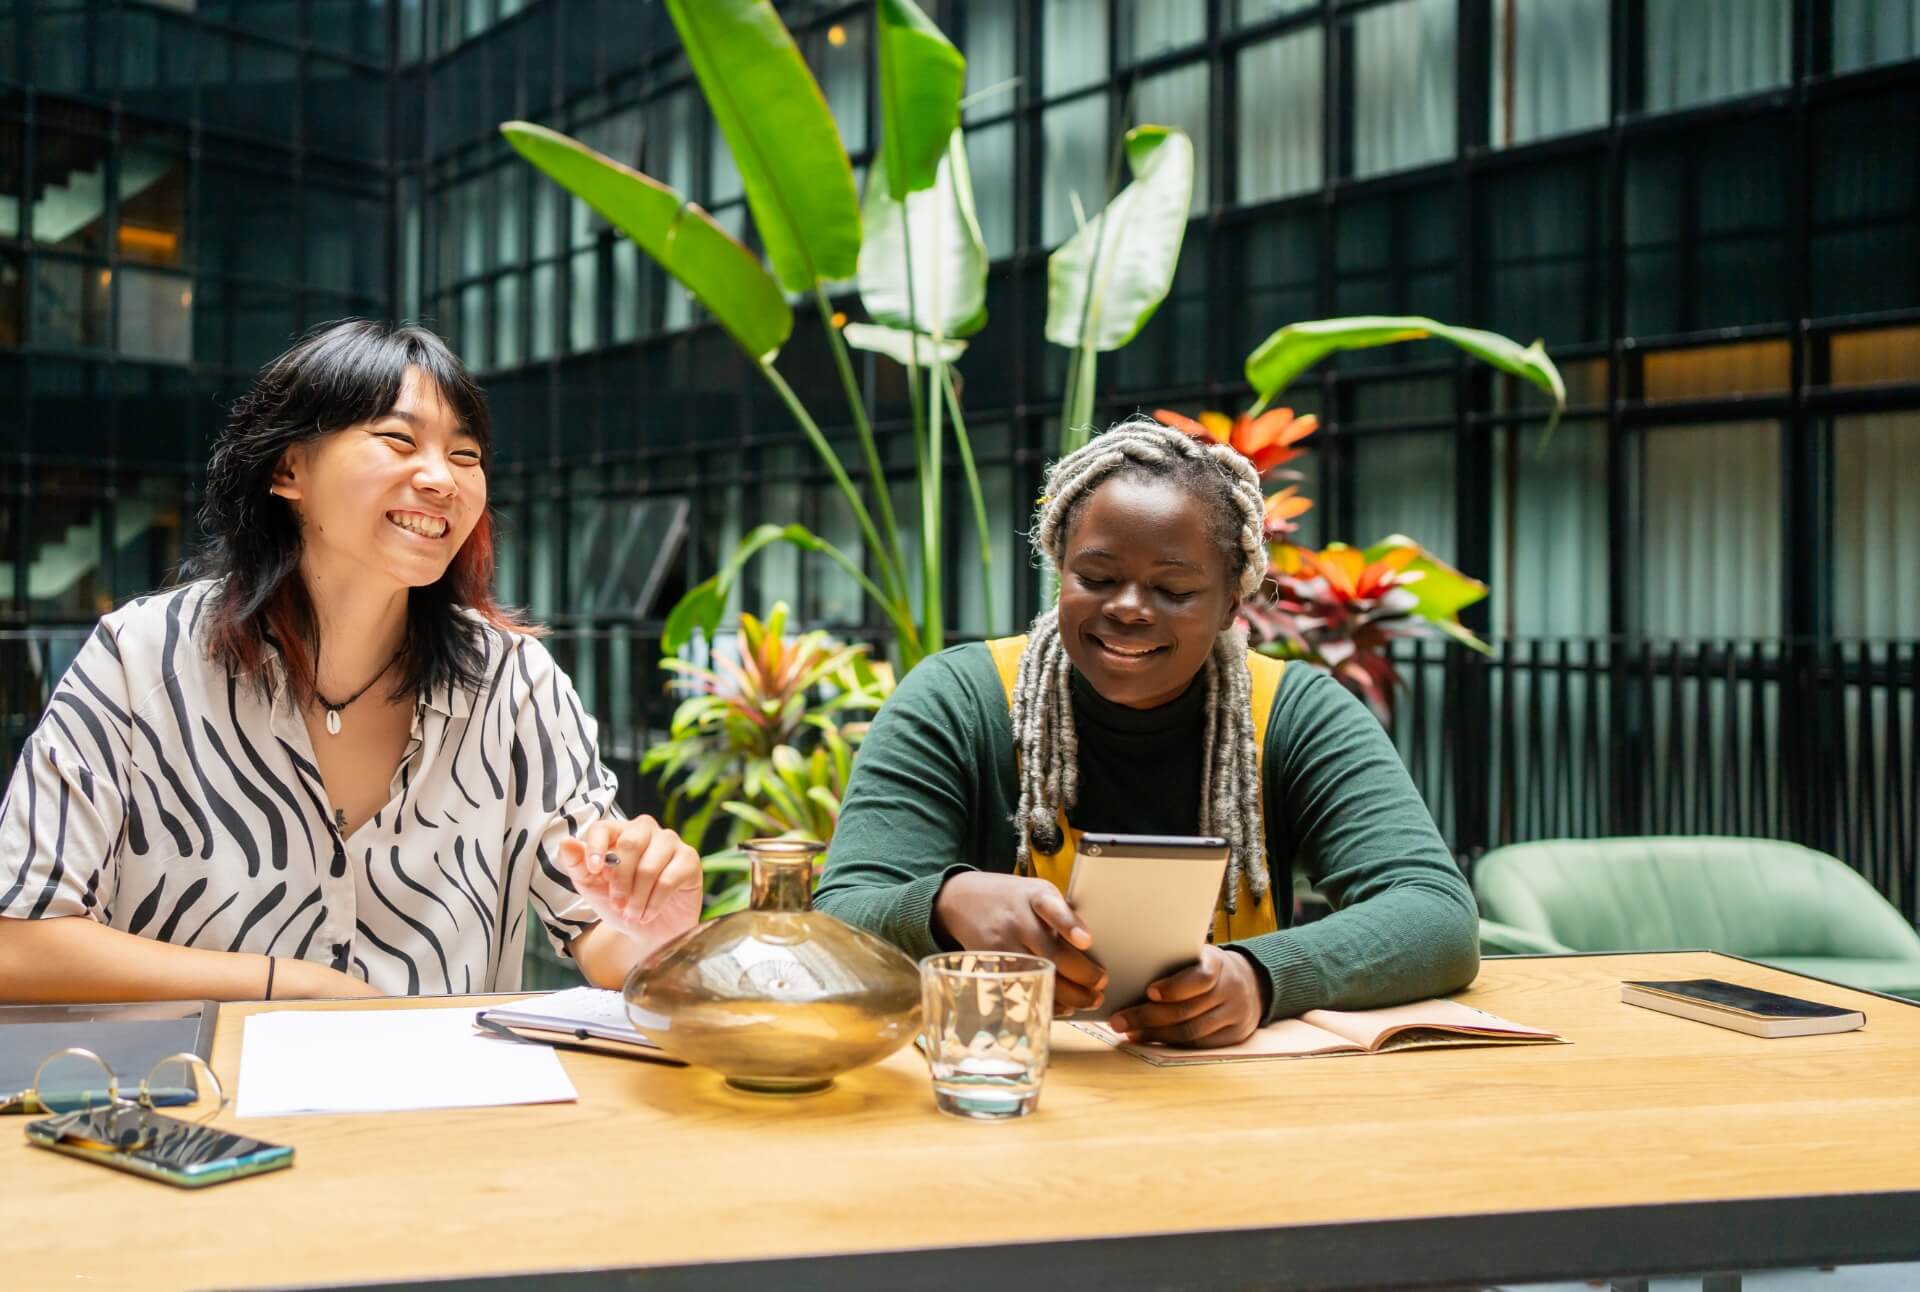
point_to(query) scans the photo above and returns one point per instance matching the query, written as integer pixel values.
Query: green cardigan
(935, 787)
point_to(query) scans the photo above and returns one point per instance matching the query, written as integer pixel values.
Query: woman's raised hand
(988, 912)
(638, 876)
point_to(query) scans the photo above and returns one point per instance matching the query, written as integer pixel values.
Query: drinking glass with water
(987, 1019)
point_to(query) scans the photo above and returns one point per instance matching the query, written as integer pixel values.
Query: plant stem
(932, 612)
(961, 438)
(895, 595)
(895, 557)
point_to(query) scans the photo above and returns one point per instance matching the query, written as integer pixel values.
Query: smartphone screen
(176, 1151)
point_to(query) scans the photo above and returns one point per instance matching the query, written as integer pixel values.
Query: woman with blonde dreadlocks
(1134, 707)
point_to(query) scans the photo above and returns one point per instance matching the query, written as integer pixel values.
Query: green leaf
(798, 181)
(700, 608)
(1298, 346)
(1440, 593)
(726, 277)
(948, 264)
(921, 79)
(1105, 282)
(896, 343)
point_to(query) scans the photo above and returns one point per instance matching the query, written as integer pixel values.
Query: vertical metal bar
(1700, 812)
(1866, 800)
(1673, 801)
(1731, 814)
(1562, 822)
(1597, 785)
(1534, 816)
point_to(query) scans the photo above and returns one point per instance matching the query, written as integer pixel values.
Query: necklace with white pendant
(333, 708)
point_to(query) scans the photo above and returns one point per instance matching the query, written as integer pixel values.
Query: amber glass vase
(780, 998)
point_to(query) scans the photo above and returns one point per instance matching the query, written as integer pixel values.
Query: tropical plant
(1334, 609)
(913, 245)
(743, 743)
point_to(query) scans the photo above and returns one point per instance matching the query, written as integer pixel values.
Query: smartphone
(181, 1153)
(1148, 900)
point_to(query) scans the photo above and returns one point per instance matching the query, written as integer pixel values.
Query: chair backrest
(1752, 897)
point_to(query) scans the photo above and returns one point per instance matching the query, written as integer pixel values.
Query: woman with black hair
(333, 765)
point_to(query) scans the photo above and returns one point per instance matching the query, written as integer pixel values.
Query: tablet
(1148, 900)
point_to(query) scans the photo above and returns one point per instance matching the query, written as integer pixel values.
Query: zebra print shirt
(162, 795)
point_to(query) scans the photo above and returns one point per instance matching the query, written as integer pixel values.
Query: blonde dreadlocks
(1043, 730)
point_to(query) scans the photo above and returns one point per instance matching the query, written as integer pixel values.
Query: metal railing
(1808, 741)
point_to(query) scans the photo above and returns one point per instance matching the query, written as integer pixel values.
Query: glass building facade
(1706, 208)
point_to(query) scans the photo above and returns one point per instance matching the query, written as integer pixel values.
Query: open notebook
(1421, 1025)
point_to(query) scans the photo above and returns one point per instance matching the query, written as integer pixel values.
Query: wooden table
(1649, 1145)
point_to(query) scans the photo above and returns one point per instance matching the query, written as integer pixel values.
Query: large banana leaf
(705, 602)
(792, 164)
(687, 242)
(921, 79)
(1105, 282)
(1298, 346)
(902, 346)
(948, 261)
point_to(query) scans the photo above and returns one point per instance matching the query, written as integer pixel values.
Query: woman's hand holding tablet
(981, 911)
(1218, 1001)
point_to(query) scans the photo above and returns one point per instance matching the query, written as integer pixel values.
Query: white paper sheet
(364, 1061)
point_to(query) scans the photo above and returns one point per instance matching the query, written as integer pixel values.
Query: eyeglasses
(119, 1124)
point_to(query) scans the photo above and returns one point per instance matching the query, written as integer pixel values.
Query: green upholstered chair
(1776, 902)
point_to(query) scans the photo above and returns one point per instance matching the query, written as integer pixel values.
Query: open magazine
(1420, 1025)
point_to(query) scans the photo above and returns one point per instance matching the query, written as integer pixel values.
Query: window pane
(1073, 44)
(1073, 150)
(1252, 11)
(1403, 485)
(996, 489)
(1866, 204)
(1158, 26)
(1179, 98)
(1869, 32)
(1542, 245)
(153, 206)
(990, 162)
(346, 111)
(545, 303)
(1402, 97)
(473, 326)
(12, 178)
(70, 187)
(584, 302)
(359, 27)
(1701, 50)
(839, 58)
(11, 329)
(509, 211)
(1876, 507)
(156, 316)
(626, 289)
(669, 141)
(992, 49)
(249, 87)
(1281, 148)
(507, 320)
(346, 241)
(1550, 496)
(1549, 63)
(70, 304)
(1278, 263)
(1709, 558)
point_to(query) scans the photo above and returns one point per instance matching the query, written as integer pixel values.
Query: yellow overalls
(1253, 917)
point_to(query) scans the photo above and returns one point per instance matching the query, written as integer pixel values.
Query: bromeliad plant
(1338, 608)
(766, 739)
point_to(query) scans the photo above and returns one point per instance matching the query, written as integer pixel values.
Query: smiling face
(1144, 590)
(393, 498)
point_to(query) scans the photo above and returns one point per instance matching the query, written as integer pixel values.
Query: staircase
(60, 563)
